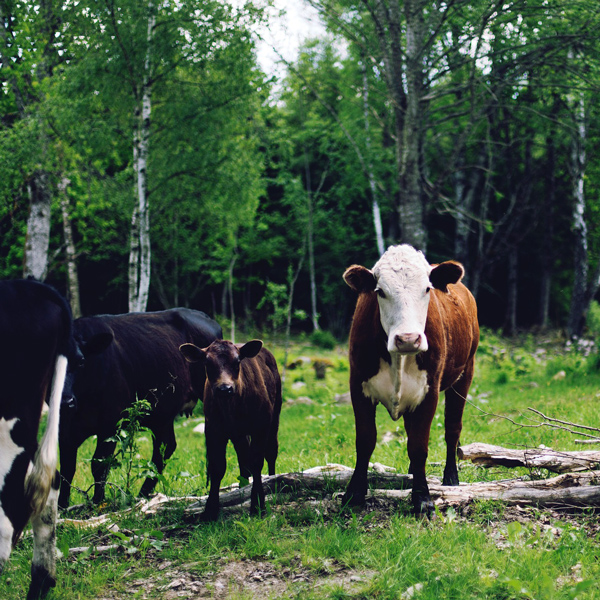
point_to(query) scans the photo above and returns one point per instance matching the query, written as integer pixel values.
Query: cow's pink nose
(408, 339)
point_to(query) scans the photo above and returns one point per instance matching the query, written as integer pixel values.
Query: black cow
(35, 346)
(242, 403)
(128, 356)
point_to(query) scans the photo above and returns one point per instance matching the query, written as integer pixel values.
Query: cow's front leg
(101, 466)
(43, 566)
(366, 438)
(418, 427)
(242, 451)
(68, 463)
(216, 446)
(163, 446)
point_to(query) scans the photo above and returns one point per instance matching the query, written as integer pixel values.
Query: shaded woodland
(147, 161)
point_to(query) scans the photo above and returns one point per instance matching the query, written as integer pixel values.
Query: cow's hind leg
(162, 449)
(456, 397)
(272, 447)
(366, 438)
(43, 566)
(257, 454)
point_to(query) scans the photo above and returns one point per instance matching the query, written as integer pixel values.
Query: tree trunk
(230, 292)
(369, 164)
(37, 241)
(510, 321)
(71, 259)
(140, 249)
(579, 304)
(547, 255)
(411, 207)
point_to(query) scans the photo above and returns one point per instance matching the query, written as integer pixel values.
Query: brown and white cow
(242, 403)
(414, 334)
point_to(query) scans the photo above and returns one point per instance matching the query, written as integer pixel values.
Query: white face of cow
(403, 280)
(403, 292)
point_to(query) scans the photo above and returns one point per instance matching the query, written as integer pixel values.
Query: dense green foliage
(243, 169)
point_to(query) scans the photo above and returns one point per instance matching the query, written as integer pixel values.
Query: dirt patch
(248, 579)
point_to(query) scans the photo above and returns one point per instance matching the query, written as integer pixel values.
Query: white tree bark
(140, 249)
(38, 228)
(372, 186)
(72, 279)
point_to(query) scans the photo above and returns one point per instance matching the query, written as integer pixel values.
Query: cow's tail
(39, 479)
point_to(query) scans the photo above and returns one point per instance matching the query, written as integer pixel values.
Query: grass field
(310, 549)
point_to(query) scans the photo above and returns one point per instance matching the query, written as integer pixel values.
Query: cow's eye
(428, 289)
(380, 292)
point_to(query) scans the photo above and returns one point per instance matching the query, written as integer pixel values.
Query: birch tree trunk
(140, 249)
(37, 242)
(369, 164)
(579, 225)
(72, 279)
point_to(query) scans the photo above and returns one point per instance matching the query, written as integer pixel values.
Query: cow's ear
(98, 343)
(192, 353)
(444, 273)
(360, 279)
(250, 349)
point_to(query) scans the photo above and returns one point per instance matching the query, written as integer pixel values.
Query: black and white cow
(35, 344)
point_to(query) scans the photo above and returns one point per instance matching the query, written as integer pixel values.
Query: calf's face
(222, 360)
(403, 280)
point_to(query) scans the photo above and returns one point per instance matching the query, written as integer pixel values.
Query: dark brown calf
(414, 334)
(242, 403)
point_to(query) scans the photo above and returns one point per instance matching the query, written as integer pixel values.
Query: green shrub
(593, 320)
(323, 339)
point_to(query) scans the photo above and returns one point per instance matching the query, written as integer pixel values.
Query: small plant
(126, 453)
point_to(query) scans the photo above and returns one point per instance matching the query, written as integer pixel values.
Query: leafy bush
(593, 320)
(323, 339)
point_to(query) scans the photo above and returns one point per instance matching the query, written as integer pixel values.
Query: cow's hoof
(350, 499)
(450, 478)
(424, 507)
(41, 582)
(209, 516)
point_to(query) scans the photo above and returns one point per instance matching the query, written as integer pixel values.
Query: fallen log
(570, 489)
(328, 478)
(488, 455)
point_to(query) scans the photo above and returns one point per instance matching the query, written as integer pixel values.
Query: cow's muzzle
(410, 343)
(224, 390)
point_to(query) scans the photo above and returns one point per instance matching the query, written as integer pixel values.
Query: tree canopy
(464, 128)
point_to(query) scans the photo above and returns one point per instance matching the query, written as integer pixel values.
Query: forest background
(147, 160)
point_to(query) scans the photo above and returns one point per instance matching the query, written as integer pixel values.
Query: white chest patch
(8, 452)
(400, 387)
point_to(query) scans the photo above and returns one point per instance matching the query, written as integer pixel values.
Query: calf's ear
(360, 279)
(444, 273)
(250, 349)
(192, 353)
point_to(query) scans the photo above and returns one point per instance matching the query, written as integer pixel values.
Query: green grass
(488, 554)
